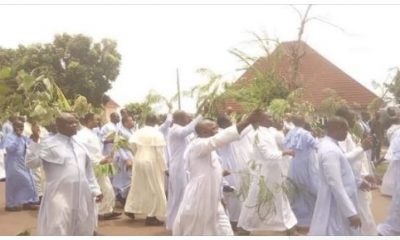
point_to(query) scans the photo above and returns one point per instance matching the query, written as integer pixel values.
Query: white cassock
(243, 148)
(146, 194)
(388, 181)
(228, 162)
(37, 173)
(337, 193)
(68, 204)
(235, 157)
(177, 142)
(391, 226)
(286, 160)
(360, 165)
(269, 159)
(164, 129)
(92, 143)
(201, 211)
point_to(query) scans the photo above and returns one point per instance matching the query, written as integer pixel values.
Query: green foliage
(259, 92)
(330, 103)
(107, 169)
(32, 95)
(208, 94)
(75, 63)
(375, 105)
(81, 106)
(394, 87)
(264, 84)
(278, 108)
(139, 110)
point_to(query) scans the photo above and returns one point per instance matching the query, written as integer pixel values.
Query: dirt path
(12, 223)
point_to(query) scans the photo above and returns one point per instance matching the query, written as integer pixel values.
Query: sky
(156, 40)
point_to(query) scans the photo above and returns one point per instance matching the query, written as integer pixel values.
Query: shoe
(109, 216)
(241, 232)
(130, 215)
(228, 189)
(30, 206)
(121, 200)
(38, 202)
(95, 233)
(13, 209)
(153, 221)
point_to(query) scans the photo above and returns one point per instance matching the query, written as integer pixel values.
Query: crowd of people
(203, 176)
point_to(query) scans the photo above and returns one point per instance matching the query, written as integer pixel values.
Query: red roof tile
(315, 73)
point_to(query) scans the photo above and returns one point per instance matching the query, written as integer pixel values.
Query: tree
(77, 64)
(265, 83)
(394, 86)
(139, 110)
(330, 103)
(210, 93)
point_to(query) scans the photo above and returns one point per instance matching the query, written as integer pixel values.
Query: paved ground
(12, 223)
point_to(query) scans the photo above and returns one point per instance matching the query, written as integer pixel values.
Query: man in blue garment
(303, 171)
(20, 188)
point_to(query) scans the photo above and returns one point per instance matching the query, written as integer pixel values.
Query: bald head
(181, 118)
(151, 120)
(337, 128)
(67, 124)
(206, 128)
(347, 114)
(265, 120)
(223, 121)
(298, 121)
(18, 127)
(114, 118)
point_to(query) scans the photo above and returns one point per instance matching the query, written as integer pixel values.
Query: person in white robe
(336, 208)
(146, 195)
(201, 211)
(107, 133)
(277, 129)
(232, 181)
(391, 225)
(177, 142)
(101, 164)
(303, 171)
(68, 204)
(388, 181)
(356, 154)
(275, 214)
(164, 127)
(37, 173)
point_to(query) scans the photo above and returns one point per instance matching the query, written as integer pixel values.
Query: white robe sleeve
(188, 129)
(265, 146)
(93, 185)
(160, 152)
(355, 154)
(166, 124)
(330, 164)
(218, 140)
(32, 157)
